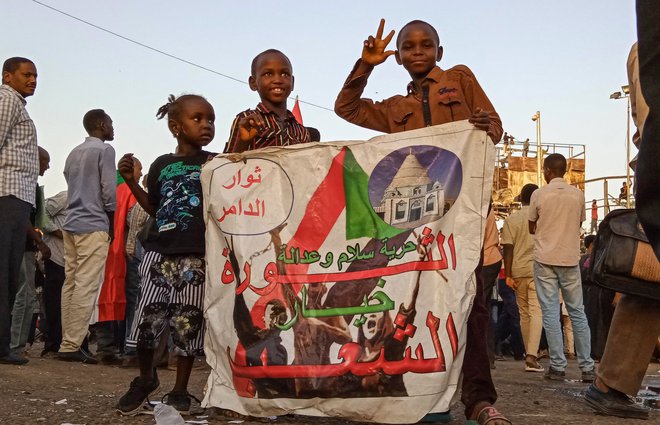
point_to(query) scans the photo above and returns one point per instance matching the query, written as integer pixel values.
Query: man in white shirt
(556, 213)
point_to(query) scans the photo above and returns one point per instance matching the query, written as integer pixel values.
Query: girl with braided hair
(173, 277)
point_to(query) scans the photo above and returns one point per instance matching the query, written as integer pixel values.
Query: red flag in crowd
(296, 112)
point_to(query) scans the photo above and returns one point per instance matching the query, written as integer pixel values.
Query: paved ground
(32, 394)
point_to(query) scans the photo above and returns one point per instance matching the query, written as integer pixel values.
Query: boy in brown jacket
(434, 96)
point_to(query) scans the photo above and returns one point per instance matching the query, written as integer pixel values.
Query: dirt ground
(33, 394)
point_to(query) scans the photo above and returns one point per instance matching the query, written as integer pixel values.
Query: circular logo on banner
(250, 198)
(415, 185)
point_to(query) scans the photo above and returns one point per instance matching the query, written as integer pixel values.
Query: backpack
(622, 258)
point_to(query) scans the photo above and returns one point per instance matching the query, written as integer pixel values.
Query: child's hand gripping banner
(341, 275)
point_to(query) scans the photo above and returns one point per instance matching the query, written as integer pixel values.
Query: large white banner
(340, 275)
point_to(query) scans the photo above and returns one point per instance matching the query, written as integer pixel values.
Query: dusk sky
(562, 57)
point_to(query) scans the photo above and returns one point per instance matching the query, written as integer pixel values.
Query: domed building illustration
(412, 198)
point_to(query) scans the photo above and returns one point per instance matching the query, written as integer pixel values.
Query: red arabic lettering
(350, 353)
(452, 250)
(453, 336)
(236, 179)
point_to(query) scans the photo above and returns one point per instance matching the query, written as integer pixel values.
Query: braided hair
(173, 106)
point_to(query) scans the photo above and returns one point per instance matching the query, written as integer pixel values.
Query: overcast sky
(563, 58)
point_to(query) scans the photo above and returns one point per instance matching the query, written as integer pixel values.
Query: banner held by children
(340, 275)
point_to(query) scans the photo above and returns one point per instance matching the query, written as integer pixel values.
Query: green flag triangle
(361, 219)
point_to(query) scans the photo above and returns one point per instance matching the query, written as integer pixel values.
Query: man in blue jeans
(556, 213)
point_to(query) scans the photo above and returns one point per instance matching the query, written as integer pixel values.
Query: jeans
(549, 281)
(14, 215)
(26, 298)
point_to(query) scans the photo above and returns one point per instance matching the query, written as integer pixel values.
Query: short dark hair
(417, 22)
(588, 240)
(253, 67)
(556, 163)
(93, 119)
(526, 192)
(173, 106)
(314, 134)
(12, 64)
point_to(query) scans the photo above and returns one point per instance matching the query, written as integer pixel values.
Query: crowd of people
(131, 258)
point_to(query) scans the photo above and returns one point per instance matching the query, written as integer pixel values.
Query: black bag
(622, 258)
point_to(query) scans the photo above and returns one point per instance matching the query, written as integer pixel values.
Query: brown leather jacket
(452, 95)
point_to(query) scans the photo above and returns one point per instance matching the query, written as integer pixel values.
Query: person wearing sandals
(435, 96)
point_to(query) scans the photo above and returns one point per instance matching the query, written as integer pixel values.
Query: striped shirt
(277, 132)
(19, 155)
(136, 218)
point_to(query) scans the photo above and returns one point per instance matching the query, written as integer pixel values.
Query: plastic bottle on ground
(167, 415)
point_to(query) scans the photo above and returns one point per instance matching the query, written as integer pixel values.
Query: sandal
(488, 414)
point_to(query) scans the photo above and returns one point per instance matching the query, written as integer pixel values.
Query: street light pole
(625, 94)
(539, 152)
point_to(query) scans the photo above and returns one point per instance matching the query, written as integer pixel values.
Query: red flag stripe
(321, 214)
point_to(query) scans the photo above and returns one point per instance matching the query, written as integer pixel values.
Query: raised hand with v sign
(373, 50)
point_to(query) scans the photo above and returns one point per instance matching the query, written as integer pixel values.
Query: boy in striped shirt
(270, 123)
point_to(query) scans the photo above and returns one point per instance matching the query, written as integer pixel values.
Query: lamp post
(539, 152)
(625, 94)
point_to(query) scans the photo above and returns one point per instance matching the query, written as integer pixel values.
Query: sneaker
(13, 358)
(139, 392)
(180, 400)
(589, 376)
(76, 356)
(614, 403)
(555, 375)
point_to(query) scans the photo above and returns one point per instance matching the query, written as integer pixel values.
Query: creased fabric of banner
(341, 274)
